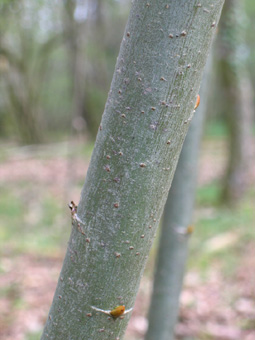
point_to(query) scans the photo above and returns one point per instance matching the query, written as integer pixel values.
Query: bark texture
(176, 231)
(237, 95)
(146, 117)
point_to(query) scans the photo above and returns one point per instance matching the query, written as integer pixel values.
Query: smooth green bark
(175, 231)
(145, 121)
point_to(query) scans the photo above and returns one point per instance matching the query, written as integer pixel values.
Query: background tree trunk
(237, 95)
(83, 74)
(74, 33)
(145, 121)
(176, 230)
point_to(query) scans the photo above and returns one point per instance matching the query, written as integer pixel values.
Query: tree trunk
(73, 32)
(97, 80)
(78, 39)
(146, 117)
(24, 107)
(176, 231)
(237, 92)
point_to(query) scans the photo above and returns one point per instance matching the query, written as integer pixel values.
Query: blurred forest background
(56, 64)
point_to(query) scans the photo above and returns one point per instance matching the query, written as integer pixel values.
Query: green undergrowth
(32, 225)
(34, 219)
(215, 129)
(33, 336)
(221, 233)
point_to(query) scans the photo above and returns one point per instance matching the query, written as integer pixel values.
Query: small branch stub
(197, 102)
(118, 311)
(190, 229)
(73, 208)
(114, 313)
(185, 230)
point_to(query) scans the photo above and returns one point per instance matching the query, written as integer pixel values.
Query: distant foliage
(44, 87)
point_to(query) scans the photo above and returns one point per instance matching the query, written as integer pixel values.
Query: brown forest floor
(28, 280)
